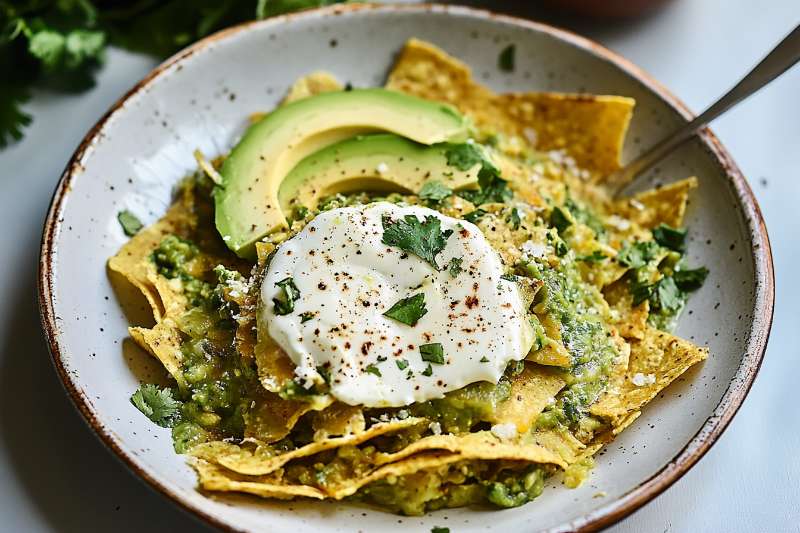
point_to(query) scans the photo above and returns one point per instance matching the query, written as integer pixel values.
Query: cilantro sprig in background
(58, 44)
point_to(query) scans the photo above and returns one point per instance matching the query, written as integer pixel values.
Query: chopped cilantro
(306, 316)
(129, 222)
(560, 220)
(423, 239)
(669, 237)
(402, 364)
(408, 310)
(372, 369)
(284, 302)
(668, 296)
(427, 372)
(432, 353)
(690, 280)
(157, 404)
(463, 156)
(434, 191)
(324, 373)
(492, 188)
(515, 217)
(506, 58)
(638, 254)
(454, 266)
(561, 248)
(594, 257)
(300, 212)
(438, 529)
(484, 359)
(509, 277)
(474, 216)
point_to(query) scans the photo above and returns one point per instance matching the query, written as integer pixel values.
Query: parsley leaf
(669, 237)
(424, 239)
(434, 191)
(284, 302)
(454, 267)
(432, 353)
(372, 369)
(637, 254)
(408, 310)
(157, 404)
(506, 58)
(690, 280)
(130, 224)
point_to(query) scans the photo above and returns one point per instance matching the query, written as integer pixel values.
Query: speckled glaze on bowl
(200, 99)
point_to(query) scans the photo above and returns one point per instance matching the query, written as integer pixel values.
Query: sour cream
(348, 278)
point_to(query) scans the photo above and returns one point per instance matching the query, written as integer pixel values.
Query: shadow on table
(66, 472)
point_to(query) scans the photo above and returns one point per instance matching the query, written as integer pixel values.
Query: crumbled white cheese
(435, 427)
(470, 141)
(636, 204)
(534, 249)
(382, 168)
(641, 380)
(226, 238)
(504, 431)
(402, 414)
(619, 222)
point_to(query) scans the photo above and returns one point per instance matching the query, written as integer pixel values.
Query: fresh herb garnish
(408, 310)
(438, 529)
(424, 239)
(300, 212)
(690, 280)
(402, 364)
(484, 359)
(131, 225)
(506, 58)
(515, 217)
(324, 373)
(454, 266)
(560, 220)
(157, 404)
(288, 295)
(509, 277)
(638, 254)
(432, 353)
(474, 216)
(306, 316)
(372, 369)
(492, 188)
(434, 191)
(669, 237)
(427, 372)
(594, 257)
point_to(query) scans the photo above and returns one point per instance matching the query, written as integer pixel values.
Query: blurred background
(64, 62)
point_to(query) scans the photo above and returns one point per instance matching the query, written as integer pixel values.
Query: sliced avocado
(247, 206)
(380, 162)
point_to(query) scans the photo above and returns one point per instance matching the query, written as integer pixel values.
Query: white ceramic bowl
(200, 99)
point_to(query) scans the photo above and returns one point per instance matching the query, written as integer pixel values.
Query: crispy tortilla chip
(258, 463)
(553, 353)
(530, 391)
(314, 83)
(629, 319)
(275, 369)
(338, 420)
(133, 259)
(213, 477)
(163, 342)
(655, 362)
(560, 442)
(665, 205)
(272, 418)
(589, 128)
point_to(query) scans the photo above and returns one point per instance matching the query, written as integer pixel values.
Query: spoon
(778, 61)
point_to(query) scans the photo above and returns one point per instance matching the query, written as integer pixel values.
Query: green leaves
(157, 404)
(690, 280)
(408, 310)
(372, 369)
(594, 257)
(560, 219)
(288, 295)
(463, 156)
(454, 266)
(432, 353)
(638, 254)
(492, 188)
(507, 57)
(434, 191)
(425, 239)
(669, 237)
(129, 222)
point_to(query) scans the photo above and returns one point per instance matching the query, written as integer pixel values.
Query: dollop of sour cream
(348, 278)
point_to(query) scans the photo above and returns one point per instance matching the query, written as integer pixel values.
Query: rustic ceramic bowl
(200, 99)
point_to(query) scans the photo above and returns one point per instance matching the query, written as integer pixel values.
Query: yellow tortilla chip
(258, 462)
(314, 83)
(665, 205)
(655, 362)
(338, 420)
(531, 390)
(561, 442)
(163, 342)
(275, 368)
(589, 128)
(553, 353)
(214, 478)
(630, 320)
(272, 418)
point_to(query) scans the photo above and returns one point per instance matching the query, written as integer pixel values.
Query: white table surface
(56, 476)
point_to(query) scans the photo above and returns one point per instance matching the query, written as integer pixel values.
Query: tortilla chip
(553, 353)
(272, 418)
(275, 369)
(163, 342)
(531, 390)
(562, 443)
(314, 83)
(213, 477)
(589, 128)
(260, 461)
(659, 357)
(630, 320)
(665, 205)
(338, 420)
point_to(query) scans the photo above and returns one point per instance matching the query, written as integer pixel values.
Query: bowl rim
(607, 514)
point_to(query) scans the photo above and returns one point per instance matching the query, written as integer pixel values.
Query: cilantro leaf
(434, 191)
(408, 310)
(438, 529)
(474, 216)
(463, 156)
(454, 266)
(560, 220)
(425, 239)
(427, 372)
(637, 254)
(484, 359)
(667, 295)
(288, 295)
(372, 369)
(594, 257)
(506, 58)
(515, 217)
(157, 404)
(432, 353)
(402, 364)
(129, 222)
(492, 188)
(669, 237)
(690, 280)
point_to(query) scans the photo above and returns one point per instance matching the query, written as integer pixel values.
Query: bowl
(200, 99)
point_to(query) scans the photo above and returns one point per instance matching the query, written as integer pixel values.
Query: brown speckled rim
(597, 519)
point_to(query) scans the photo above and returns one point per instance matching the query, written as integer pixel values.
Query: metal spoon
(778, 61)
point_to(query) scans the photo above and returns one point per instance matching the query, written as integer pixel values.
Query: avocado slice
(379, 162)
(247, 205)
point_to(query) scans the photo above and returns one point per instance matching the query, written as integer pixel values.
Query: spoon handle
(778, 61)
